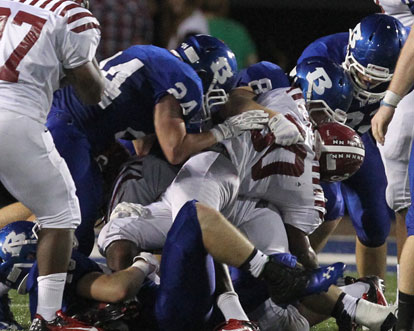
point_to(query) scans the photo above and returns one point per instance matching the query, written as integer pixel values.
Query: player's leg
(396, 155)
(364, 195)
(122, 238)
(36, 175)
(335, 209)
(74, 148)
(227, 245)
(405, 283)
(185, 297)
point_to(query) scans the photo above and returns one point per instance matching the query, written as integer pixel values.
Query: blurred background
(272, 30)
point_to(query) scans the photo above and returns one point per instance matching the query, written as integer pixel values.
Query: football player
(150, 93)
(399, 87)
(262, 194)
(369, 53)
(43, 42)
(175, 302)
(396, 149)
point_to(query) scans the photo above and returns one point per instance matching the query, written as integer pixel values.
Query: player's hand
(286, 133)
(152, 265)
(128, 209)
(236, 125)
(380, 122)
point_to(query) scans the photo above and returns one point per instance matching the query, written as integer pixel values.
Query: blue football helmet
(373, 49)
(216, 65)
(326, 87)
(18, 245)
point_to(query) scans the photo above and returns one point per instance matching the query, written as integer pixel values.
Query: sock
(345, 307)
(356, 290)
(230, 306)
(50, 294)
(405, 311)
(255, 263)
(350, 304)
(4, 289)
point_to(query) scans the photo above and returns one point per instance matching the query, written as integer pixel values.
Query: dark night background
(283, 28)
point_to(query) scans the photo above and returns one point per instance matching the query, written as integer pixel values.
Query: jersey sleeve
(82, 36)
(262, 77)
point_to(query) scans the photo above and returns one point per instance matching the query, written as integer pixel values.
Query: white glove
(128, 209)
(235, 125)
(286, 133)
(151, 266)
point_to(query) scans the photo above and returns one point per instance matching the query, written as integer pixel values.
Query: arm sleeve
(82, 36)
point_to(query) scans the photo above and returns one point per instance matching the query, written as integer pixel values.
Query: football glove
(128, 209)
(236, 125)
(286, 133)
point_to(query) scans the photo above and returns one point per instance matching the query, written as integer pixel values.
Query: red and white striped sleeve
(82, 34)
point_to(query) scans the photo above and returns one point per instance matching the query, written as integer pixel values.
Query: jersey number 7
(8, 71)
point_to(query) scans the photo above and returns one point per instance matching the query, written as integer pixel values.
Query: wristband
(383, 103)
(391, 99)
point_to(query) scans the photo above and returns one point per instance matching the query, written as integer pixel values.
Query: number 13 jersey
(38, 39)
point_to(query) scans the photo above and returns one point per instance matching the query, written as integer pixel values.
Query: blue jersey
(262, 77)
(334, 48)
(136, 80)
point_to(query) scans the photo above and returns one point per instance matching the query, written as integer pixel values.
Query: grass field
(21, 312)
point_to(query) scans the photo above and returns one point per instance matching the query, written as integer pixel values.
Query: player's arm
(176, 143)
(243, 99)
(87, 81)
(121, 285)
(401, 83)
(299, 245)
(15, 212)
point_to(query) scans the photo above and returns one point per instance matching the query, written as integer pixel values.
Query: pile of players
(224, 173)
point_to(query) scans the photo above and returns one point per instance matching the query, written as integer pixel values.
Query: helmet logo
(13, 243)
(319, 80)
(222, 70)
(356, 35)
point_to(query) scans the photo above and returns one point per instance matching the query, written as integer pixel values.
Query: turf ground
(20, 305)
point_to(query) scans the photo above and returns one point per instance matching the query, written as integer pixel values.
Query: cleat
(7, 321)
(61, 322)
(375, 293)
(287, 283)
(376, 290)
(376, 317)
(237, 325)
(107, 315)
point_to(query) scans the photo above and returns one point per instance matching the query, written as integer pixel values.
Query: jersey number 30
(8, 71)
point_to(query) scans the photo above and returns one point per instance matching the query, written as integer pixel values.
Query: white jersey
(396, 150)
(398, 10)
(38, 38)
(287, 177)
